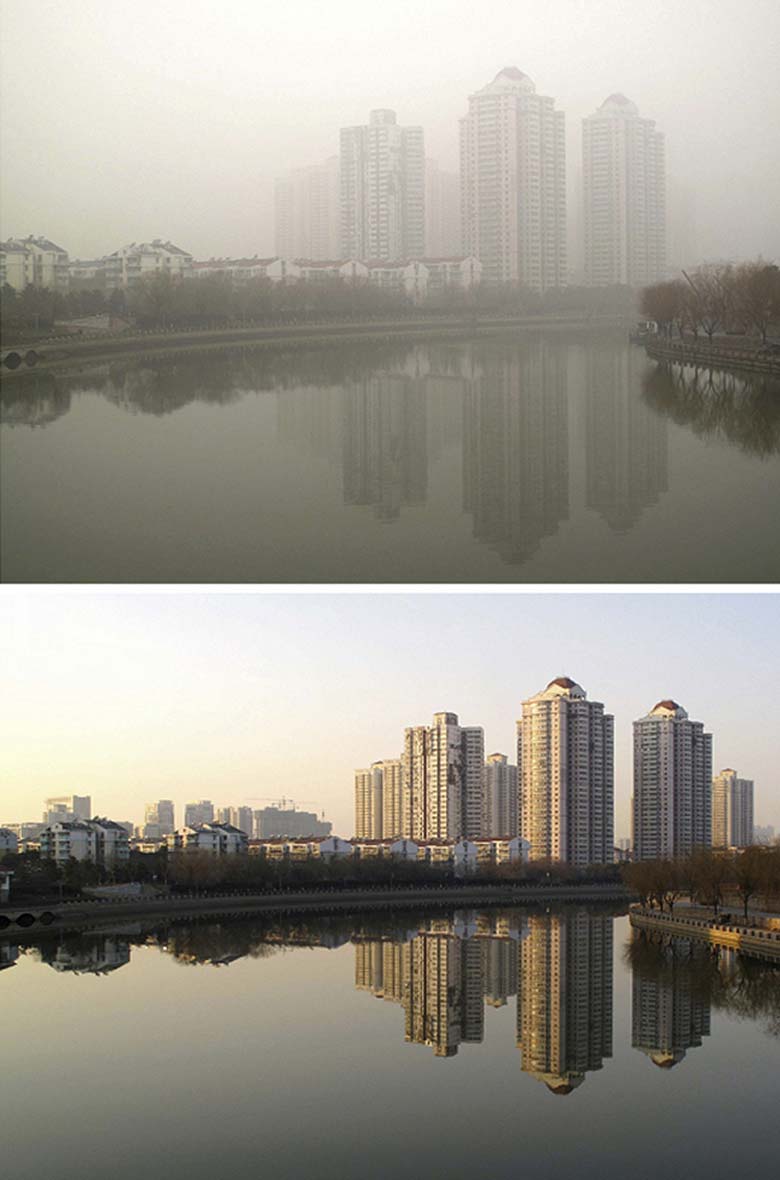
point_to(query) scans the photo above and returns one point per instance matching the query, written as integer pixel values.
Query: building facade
(307, 207)
(101, 841)
(513, 184)
(732, 810)
(369, 802)
(66, 808)
(672, 802)
(34, 262)
(382, 178)
(624, 185)
(565, 764)
(217, 839)
(443, 236)
(199, 812)
(126, 267)
(499, 805)
(442, 780)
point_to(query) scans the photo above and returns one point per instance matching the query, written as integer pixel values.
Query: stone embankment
(82, 912)
(751, 940)
(748, 356)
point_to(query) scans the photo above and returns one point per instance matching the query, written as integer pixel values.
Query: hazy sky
(170, 118)
(134, 697)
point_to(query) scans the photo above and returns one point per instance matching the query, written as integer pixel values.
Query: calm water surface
(509, 1043)
(543, 458)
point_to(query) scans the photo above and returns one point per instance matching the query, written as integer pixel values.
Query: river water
(504, 1043)
(536, 457)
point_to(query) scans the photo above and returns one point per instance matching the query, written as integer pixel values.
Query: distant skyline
(172, 119)
(133, 697)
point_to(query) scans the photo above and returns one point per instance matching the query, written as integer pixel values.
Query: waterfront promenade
(724, 352)
(752, 940)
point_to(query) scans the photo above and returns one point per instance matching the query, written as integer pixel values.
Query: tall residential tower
(732, 810)
(672, 804)
(565, 775)
(624, 184)
(382, 168)
(442, 779)
(513, 183)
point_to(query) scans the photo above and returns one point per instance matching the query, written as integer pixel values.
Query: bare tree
(712, 288)
(757, 295)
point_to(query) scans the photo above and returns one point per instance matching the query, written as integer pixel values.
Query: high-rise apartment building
(442, 779)
(672, 803)
(624, 184)
(564, 998)
(499, 805)
(382, 177)
(732, 810)
(513, 183)
(565, 775)
(66, 808)
(369, 810)
(392, 798)
(307, 203)
(158, 819)
(289, 821)
(443, 237)
(201, 812)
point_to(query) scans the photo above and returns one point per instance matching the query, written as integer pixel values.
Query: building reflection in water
(564, 998)
(560, 967)
(88, 954)
(670, 997)
(385, 456)
(516, 446)
(626, 444)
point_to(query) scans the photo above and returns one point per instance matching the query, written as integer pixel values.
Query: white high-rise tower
(442, 787)
(672, 804)
(732, 810)
(624, 185)
(565, 774)
(513, 183)
(382, 168)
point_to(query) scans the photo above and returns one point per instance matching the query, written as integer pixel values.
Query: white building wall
(513, 184)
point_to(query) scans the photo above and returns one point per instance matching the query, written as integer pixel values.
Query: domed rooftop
(668, 708)
(562, 686)
(510, 80)
(618, 104)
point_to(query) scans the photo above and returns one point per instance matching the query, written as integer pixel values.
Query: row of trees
(715, 298)
(708, 877)
(34, 876)
(159, 301)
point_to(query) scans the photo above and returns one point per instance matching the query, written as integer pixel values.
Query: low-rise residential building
(218, 839)
(34, 262)
(9, 841)
(240, 271)
(126, 267)
(99, 840)
(5, 890)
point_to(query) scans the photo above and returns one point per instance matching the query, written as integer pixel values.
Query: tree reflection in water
(738, 408)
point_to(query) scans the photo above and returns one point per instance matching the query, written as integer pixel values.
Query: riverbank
(70, 349)
(723, 353)
(751, 940)
(80, 912)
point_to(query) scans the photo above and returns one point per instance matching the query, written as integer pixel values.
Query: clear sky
(122, 122)
(134, 697)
